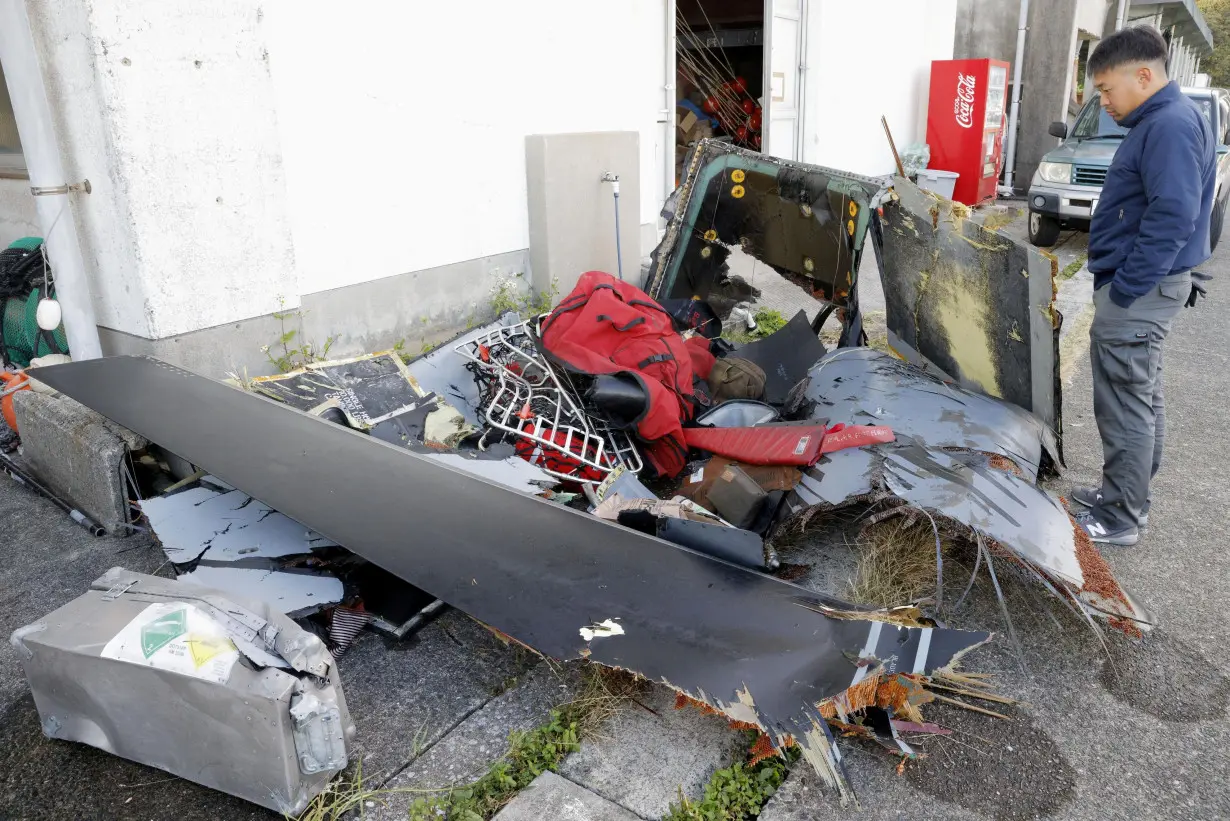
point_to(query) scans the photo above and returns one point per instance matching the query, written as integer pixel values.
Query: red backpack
(606, 326)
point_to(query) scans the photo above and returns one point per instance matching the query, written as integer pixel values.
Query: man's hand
(1197, 289)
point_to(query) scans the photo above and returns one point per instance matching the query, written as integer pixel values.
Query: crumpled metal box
(226, 693)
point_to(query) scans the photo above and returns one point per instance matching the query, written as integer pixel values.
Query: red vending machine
(965, 124)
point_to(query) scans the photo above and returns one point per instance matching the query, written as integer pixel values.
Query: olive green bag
(735, 378)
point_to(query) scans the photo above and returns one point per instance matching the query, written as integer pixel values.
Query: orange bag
(10, 383)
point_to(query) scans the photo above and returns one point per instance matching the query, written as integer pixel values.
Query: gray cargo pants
(1128, 404)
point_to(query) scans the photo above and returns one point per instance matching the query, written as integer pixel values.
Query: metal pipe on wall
(669, 110)
(1121, 17)
(1014, 113)
(46, 170)
(801, 137)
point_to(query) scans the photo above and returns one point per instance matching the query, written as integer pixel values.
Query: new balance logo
(1097, 529)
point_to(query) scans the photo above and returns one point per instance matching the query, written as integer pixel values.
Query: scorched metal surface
(974, 303)
(866, 387)
(539, 572)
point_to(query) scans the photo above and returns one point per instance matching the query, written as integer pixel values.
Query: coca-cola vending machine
(965, 124)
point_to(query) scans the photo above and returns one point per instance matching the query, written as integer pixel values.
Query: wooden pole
(893, 146)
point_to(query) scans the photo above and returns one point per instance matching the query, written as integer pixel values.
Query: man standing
(1151, 227)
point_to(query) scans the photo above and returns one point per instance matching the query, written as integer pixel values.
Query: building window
(12, 163)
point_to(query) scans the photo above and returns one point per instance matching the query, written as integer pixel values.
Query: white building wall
(403, 125)
(167, 109)
(866, 60)
(246, 154)
(1091, 15)
(17, 217)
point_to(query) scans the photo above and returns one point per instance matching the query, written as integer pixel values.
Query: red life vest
(606, 326)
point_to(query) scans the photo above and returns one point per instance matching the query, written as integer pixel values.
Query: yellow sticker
(204, 648)
(737, 192)
(853, 210)
(850, 227)
(737, 175)
(710, 235)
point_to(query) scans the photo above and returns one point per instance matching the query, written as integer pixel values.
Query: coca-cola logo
(963, 105)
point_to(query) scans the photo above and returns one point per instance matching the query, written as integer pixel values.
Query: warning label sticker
(176, 637)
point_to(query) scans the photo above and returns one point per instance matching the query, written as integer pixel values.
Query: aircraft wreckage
(608, 481)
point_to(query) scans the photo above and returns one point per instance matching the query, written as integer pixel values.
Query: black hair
(1137, 44)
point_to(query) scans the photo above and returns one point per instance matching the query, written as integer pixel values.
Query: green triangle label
(162, 631)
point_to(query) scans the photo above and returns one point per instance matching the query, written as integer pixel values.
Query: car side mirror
(1058, 130)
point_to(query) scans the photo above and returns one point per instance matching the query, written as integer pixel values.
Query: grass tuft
(737, 792)
(768, 322)
(1073, 268)
(602, 693)
(896, 562)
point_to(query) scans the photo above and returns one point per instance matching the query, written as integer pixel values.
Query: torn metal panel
(1015, 513)
(962, 487)
(444, 372)
(511, 472)
(864, 386)
(296, 593)
(736, 639)
(785, 357)
(974, 304)
(498, 463)
(367, 389)
(839, 478)
(218, 690)
(225, 525)
(966, 488)
(807, 223)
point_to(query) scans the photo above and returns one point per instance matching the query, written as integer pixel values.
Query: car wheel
(1215, 223)
(1043, 230)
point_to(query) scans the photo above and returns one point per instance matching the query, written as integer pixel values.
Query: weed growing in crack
(1074, 267)
(768, 322)
(295, 351)
(601, 694)
(507, 296)
(737, 792)
(529, 756)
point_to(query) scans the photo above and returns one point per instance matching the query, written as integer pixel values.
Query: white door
(783, 72)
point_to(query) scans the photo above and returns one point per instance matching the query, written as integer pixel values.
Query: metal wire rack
(524, 397)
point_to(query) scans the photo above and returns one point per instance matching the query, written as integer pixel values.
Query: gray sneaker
(1090, 496)
(1102, 533)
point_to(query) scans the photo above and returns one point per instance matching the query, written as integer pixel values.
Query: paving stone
(404, 696)
(551, 798)
(77, 453)
(466, 753)
(645, 759)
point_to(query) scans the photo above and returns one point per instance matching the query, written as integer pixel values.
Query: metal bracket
(46, 191)
(118, 589)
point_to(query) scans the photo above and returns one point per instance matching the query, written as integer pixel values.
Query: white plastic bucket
(938, 182)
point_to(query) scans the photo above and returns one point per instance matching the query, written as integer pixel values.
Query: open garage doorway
(720, 72)
(739, 67)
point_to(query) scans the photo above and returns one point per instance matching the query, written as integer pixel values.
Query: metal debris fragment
(769, 651)
(171, 675)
